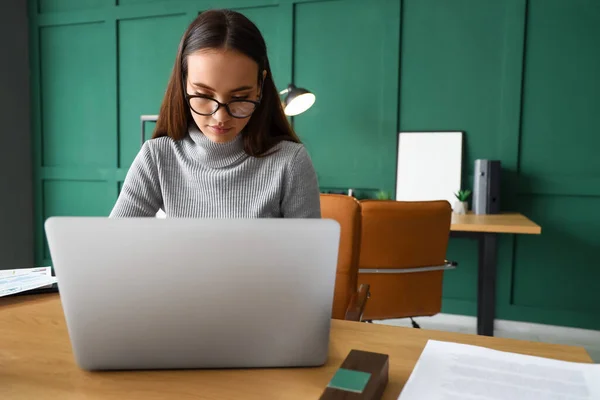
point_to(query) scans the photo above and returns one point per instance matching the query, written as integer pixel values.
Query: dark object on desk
(363, 375)
(486, 187)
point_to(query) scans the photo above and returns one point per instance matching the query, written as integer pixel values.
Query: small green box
(349, 380)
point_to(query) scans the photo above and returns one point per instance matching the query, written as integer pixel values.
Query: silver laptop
(149, 293)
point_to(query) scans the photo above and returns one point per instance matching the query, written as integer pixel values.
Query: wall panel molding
(553, 185)
(351, 131)
(143, 10)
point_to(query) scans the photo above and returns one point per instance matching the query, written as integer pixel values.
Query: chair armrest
(358, 302)
(447, 265)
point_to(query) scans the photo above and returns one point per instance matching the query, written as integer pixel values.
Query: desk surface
(495, 223)
(36, 361)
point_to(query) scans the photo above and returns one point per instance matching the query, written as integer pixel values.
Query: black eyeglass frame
(226, 105)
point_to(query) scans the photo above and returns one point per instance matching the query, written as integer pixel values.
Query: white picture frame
(429, 165)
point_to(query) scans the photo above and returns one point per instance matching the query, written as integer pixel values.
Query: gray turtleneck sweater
(197, 178)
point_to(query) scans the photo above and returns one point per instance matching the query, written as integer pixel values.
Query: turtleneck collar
(217, 155)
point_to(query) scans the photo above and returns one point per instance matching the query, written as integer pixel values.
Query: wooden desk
(36, 361)
(485, 229)
(495, 223)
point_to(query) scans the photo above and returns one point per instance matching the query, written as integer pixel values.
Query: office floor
(589, 339)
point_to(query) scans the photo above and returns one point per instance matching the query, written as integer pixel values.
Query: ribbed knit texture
(197, 178)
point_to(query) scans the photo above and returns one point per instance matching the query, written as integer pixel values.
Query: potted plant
(462, 205)
(383, 195)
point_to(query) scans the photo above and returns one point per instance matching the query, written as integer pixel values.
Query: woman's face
(223, 75)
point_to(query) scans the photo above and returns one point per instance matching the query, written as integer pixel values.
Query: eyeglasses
(206, 105)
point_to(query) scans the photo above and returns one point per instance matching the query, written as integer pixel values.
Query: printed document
(452, 371)
(20, 280)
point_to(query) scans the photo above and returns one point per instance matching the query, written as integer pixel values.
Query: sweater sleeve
(140, 195)
(301, 195)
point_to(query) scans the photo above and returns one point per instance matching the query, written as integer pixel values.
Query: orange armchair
(402, 257)
(348, 302)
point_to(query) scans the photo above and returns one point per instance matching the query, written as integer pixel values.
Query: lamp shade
(297, 100)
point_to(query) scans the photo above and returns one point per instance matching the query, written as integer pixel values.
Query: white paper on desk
(9, 273)
(452, 371)
(21, 280)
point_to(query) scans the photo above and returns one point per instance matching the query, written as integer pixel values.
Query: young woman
(222, 146)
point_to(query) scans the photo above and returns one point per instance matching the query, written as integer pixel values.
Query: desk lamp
(297, 100)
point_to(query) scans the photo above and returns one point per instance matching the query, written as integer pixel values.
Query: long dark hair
(218, 29)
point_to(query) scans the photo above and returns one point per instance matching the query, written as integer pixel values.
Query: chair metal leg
(414, 324)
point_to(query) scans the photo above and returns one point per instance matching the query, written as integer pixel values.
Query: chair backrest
(346, 211)
(399, 235)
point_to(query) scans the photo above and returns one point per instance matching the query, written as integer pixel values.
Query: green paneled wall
(147, 48)
(77, 91)
(559, 162)
(47, 6)
(352, 64)
(518, 76)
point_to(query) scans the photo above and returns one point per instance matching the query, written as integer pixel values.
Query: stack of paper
(452, 371)
(20, 280)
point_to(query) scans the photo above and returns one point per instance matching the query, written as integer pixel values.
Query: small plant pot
(461, 207)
